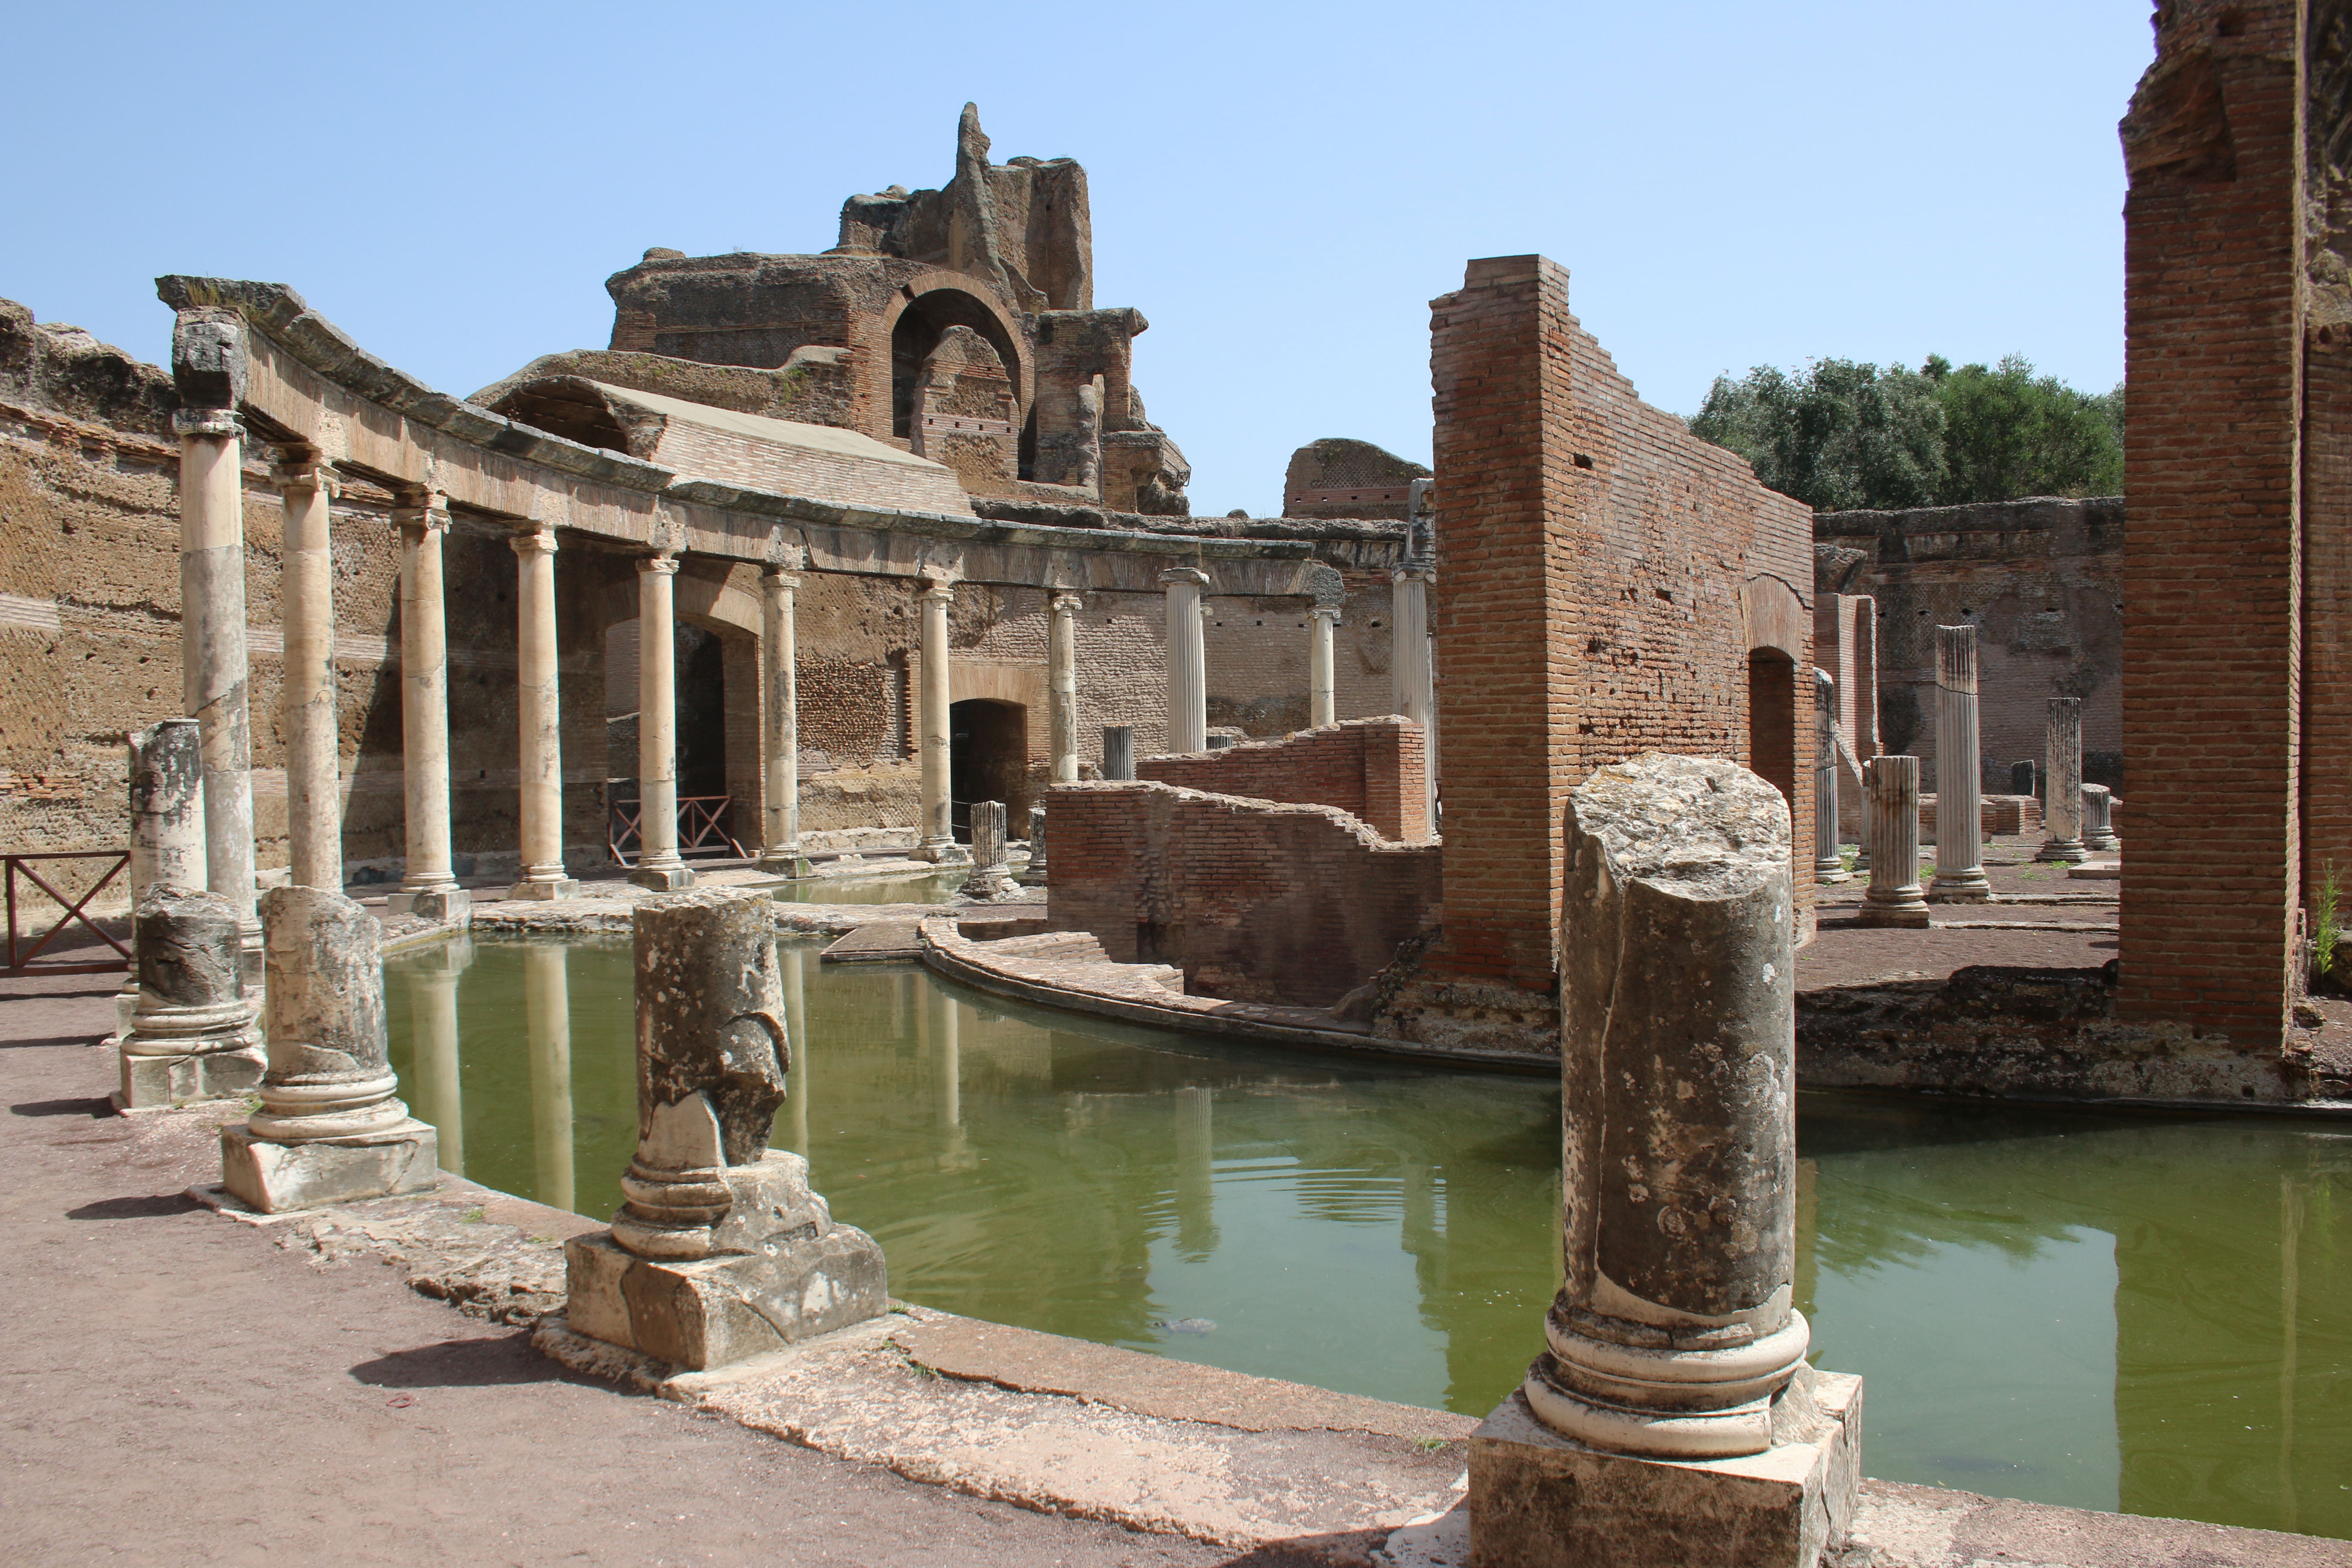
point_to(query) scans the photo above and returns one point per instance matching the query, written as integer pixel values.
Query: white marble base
(274, 1178)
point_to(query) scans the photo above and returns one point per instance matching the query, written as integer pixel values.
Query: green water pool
(2105, 1310)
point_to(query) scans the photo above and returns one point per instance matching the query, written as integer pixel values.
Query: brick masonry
(1372, 769)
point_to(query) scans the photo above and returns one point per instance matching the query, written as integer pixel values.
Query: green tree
(2010, 433)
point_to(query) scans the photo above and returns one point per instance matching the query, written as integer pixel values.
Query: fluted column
(1959, 790)
(658, 864)
(212, 654)
(1062, 686)
(1829, 861)
(2061, 792)
(780, 848)
(1413, 669)
(1322, 685)
(427, 888)
(1188, 666)
(938, 827)
(538, 720)
(1890, 785)
(314, 805)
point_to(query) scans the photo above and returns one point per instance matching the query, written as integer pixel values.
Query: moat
(2108, 1310)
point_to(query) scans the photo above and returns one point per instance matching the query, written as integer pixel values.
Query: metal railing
(21, 865)
(701, 828)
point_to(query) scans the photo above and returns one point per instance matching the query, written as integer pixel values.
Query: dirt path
(177, 1389)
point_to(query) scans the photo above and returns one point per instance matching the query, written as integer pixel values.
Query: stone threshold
(947, 951)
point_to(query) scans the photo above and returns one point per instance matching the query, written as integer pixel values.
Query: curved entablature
(300, 372)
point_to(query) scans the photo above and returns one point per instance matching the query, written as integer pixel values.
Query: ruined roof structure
(956, 324)
(1336, 476)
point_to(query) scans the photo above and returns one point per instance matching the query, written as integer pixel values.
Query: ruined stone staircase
(1075, 959)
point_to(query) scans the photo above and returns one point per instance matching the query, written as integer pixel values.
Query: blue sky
(1280, 188)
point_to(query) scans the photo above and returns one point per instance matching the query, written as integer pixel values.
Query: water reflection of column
(790, 962)
(1196, 1215)
(940, 1038)
(547, 1021)
(435, 1092)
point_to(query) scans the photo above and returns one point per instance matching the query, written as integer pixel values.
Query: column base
(1911, 912)
(544, 889)
(663, 879)
(784, 863)
(1032, 875)
(989, 882)
(1831, 871)
(158, 1083)
(1962, 888)
(442, 906)
(943, 852)
(275, 1177)
(2064, 852)
(2103, 844)
(1539, 1499)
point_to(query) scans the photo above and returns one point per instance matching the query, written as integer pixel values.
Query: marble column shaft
(428, 886)
(1062, 686)
(1959, 786)
(1890, 787)
(538, 711)
(780, 848)
(1187, 669)
(167, 806)
(991, 874)
(658, 865)
(938, 843)
(213, 651)
(1118, 752)
(2098, 820)
(1322, 683)
(1829, 860)
(2061, 791)
(314, 803)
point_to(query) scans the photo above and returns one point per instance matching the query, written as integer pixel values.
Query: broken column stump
(1890, 788)
(1033, 875)
(721, 1251)
(193, 1033)
(991, 868)
(331, 1129)
(1673, 1422)
(2098, 820)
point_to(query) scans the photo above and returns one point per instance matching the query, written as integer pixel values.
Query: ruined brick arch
(946, 300)
(1779, 644)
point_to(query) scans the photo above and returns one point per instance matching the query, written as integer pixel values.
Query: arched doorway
(988, 759)
(917, 332)
(1772, 720)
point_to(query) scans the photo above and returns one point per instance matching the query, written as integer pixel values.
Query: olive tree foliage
(1841, 435)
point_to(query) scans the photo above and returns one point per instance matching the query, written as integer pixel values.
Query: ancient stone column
(547, 1027)
(1062, 687)
(2062, 805)
(213, 650)
(538, 720)
(1890, 787)
(1960, 785)
(1322, 683)
(658, 863)
(1674, 1337)
(938, 843)
(330, 1127)
(1119, 753)
(193, 1034)
(721, 1250)
(1829, 860)
(2098, 830)
(437, 1085)
(779, 850)
(314, 797)
(167, 828)
(1033, 875)
(1413, 669)
(428, 890)
(991, 870)
(1188, 667)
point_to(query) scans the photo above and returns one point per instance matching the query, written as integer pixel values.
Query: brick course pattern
(1373, 768)
(1603, 578)
(1255, 901)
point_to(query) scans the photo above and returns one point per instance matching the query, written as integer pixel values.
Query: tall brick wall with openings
(1374, 769)
(1255, 901)
(1607, 583)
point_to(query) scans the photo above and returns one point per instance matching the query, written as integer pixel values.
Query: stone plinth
(2098, 828)
(330, 1129)
(2061, 811)
(1784, 1506)
(1890, 787)
(193, 1034)
(721, 1250)
(991, 870)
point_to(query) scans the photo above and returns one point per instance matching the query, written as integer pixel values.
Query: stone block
(661, 879)
(274, 1178)
(711, 1311)
(442, 906)
(565, 888)
(1539, 1499)
(156, 1083)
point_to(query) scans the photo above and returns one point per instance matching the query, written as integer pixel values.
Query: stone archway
(988, 759)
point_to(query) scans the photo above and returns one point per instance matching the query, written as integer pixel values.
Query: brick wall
(1255, 901)
(2211, 659)
(1372, 769)
(1602, 576)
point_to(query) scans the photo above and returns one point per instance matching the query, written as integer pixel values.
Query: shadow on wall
(988, 759)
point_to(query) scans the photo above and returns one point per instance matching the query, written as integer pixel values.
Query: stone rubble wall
(1374, 769)
(1254, 900)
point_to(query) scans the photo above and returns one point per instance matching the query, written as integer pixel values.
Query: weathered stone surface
(1959, 786)
(167, 806)
(274, 1178)
(1034, 875)
(193, 1033)
(992, 871)
(710, 1014)
(2061, 806)
(1891, 791)
(2098, 822)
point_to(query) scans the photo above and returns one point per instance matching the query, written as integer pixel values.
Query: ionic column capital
(537, 541)
(784, 577)
(663, 563)
(1176, 576)
(1068, 604)
(938, 590)
(303, 468)
(428, 512)
(1414, 574)
(187, 422)
(1325, 613)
